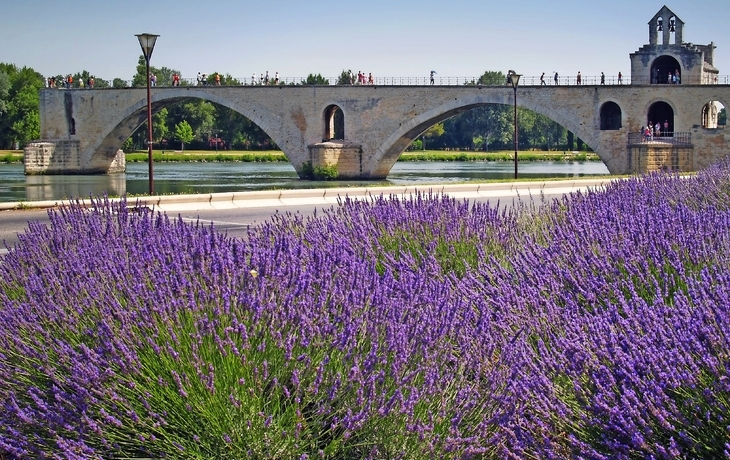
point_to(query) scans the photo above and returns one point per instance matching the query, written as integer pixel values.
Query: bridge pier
(342, 159)
(670, 153)
(64, 156)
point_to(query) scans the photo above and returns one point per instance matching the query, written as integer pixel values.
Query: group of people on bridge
(655, 130)
(578, 79)
(264, 79)
(68, 82)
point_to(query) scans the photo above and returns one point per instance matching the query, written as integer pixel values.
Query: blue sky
(390, 38)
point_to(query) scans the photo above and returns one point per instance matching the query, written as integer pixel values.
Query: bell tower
(667, 59)
(666, 24)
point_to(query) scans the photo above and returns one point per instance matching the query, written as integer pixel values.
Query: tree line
(201, 124)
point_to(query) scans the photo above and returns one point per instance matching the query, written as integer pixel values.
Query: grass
(222, 156)
(501, 155)
(11, 156)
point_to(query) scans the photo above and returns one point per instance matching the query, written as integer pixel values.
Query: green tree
(163, 74)
(198, 113)
(159, 125)
(432, 133)
(184, 133)
(228, 80)
(4, 91)
(345, 78)
(84, 76)
(20, 120)
(315, 80)
(119, 83)
(722, 117)
(490, 78)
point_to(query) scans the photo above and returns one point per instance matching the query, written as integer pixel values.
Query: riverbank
(197, 156)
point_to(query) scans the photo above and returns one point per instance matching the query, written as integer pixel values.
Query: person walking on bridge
(603, 79)
(577, 80)
(556, 79)
(432, 73)
(542, 79)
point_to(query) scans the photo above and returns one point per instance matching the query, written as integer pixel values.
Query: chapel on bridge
(668, 59)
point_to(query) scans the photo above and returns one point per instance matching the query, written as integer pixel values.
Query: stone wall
(63, 156)
(711, 145)
(381, 120)
(651, 156)
(52, 157)
(346, 156)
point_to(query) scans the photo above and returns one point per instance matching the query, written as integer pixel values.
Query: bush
(590, 327)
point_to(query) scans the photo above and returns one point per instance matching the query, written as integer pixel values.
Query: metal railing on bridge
(678, 139)
(418, 81)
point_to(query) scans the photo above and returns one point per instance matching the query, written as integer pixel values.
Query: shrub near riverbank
(591, 327)
(428, 155)
(160, 156)
(207, 156)
(530, 155)
(11, 156)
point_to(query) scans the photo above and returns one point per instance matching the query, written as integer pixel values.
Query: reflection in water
(65, 187)
(177, 178)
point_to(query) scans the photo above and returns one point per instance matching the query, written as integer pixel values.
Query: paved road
(235, 212)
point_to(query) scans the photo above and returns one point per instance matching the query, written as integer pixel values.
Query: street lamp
(514, 79)
(147, 42)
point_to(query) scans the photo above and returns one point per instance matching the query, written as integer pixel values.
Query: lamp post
(147, 42)
(514, 79)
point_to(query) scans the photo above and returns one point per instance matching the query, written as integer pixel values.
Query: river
(178, 178)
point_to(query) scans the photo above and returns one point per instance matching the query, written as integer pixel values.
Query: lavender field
(593, 327)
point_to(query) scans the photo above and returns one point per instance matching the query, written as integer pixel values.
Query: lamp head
(147, 42)
(514, 79)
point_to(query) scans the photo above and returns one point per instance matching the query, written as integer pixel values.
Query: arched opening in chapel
(664, 69)
(662, 113)
(714, 115)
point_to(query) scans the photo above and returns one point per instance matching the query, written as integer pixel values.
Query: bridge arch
(711, 113)
(662, 66)
(660, 111)
(129, 120)
(395, 144)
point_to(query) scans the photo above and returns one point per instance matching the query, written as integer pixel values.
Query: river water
(178, 178)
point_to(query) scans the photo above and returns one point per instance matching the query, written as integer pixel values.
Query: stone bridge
(85, 128)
